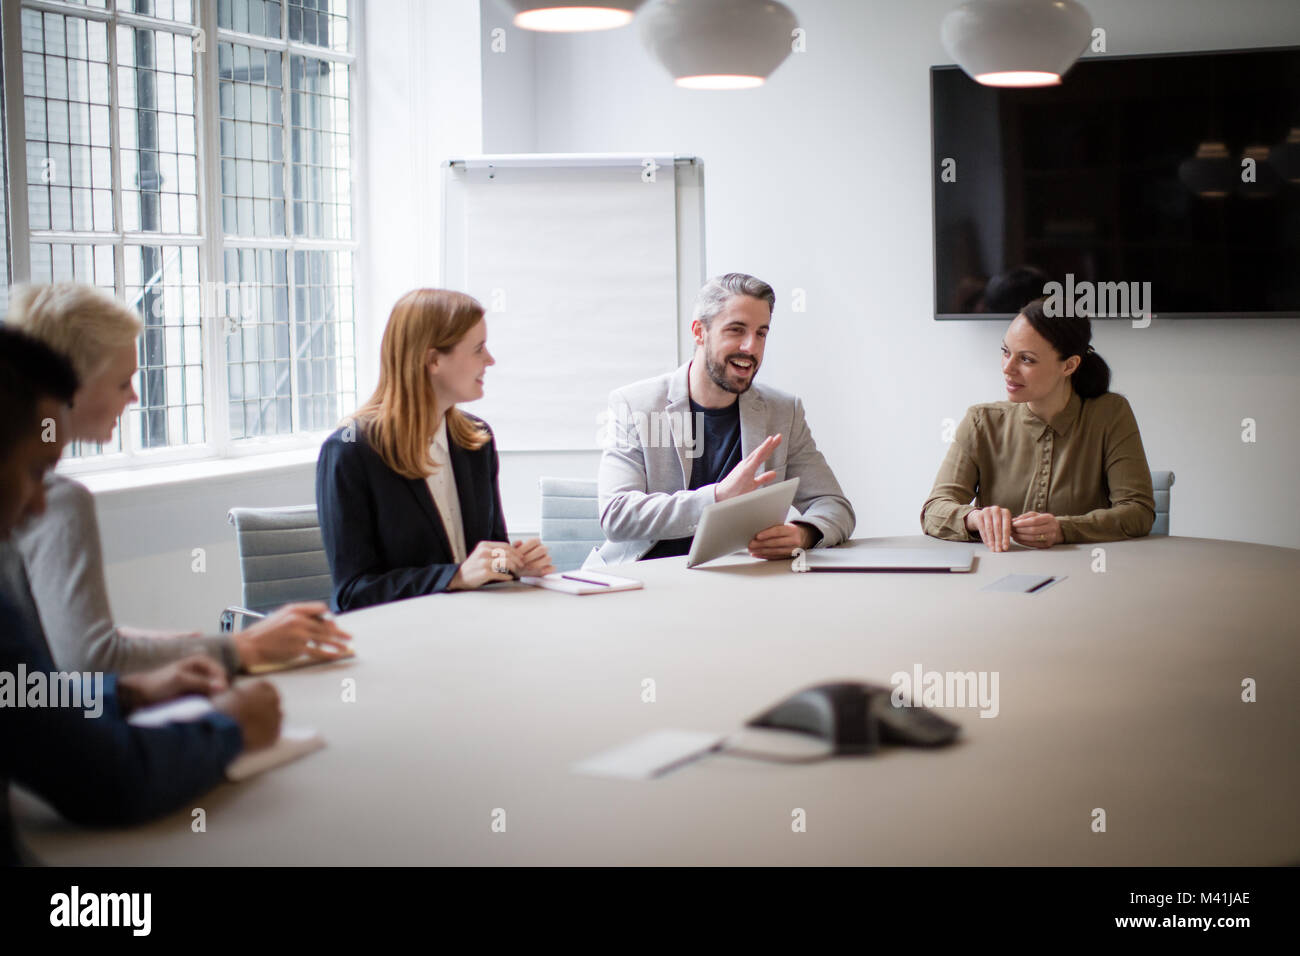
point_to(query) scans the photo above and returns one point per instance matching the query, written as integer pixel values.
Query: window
(197, 160)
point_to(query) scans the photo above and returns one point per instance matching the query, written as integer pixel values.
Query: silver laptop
(730, 525)
(866, 558)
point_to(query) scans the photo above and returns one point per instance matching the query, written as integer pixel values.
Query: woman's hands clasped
(499, 561)
(998, 529)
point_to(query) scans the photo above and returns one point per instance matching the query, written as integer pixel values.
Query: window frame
(211, 240)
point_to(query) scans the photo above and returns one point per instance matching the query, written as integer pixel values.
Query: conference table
(1120, 689)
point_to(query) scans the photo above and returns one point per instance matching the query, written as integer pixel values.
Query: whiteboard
(576, 260)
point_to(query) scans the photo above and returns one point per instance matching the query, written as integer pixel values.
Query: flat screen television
(1175, 175)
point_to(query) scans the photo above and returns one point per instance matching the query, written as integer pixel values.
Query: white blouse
(442, 485)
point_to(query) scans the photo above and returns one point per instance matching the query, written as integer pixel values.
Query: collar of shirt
(1061, 422)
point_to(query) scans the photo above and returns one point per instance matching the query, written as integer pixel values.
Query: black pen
(1040, 584)
(570, 577)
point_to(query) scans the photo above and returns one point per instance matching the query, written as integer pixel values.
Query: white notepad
(583, 582)
(294, 742)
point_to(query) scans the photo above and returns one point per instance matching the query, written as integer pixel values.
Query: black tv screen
(1130, 171)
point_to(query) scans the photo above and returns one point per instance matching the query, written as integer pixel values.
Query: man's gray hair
(713, 297)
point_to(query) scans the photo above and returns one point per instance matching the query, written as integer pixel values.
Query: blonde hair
(80, 321)
(398, 417)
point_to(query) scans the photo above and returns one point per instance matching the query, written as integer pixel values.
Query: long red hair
(399, 417)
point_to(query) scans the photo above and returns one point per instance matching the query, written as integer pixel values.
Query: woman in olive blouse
(1061, 461)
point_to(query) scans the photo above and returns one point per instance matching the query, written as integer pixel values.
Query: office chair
(281, 559)
(1161, 482)
(570, 521)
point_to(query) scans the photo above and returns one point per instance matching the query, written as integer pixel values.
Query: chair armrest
(227, 624)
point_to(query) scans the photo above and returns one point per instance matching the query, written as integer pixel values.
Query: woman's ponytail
(1092, 377)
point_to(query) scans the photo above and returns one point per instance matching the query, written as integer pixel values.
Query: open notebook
(583, 582)
(294, 742)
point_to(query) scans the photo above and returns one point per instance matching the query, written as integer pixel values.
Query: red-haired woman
(407, 489)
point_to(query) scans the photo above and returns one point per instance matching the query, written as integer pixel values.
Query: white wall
(423, 106)
(821, 180)
(509, 64)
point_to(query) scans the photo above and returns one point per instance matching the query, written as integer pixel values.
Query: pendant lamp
(718, 44)
(572, 16)
(1016, 42)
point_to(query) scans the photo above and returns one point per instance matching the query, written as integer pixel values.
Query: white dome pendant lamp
(718, 44)
(572, 16)
(1016, 42)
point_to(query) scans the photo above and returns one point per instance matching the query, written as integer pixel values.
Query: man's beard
(718, 372)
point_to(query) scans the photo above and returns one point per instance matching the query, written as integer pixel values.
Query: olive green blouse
(1086, 466)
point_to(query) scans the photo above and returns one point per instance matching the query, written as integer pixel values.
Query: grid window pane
(324, 339)
(321, 23)
(179, 10)
(65, 87)
(159, 151)
(282, 170)
(258, 17)
(252, 140)
(162, 284)
(322, 166)
(256, 310)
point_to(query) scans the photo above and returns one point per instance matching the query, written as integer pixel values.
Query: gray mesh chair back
(1161, 482)
(281, 559)
(570, 521)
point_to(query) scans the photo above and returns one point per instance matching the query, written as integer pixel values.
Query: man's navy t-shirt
(719, 452)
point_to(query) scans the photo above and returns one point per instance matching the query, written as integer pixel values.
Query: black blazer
(383, 535)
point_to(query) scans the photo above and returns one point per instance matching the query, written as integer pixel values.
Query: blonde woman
(61, 557)
(407, 487)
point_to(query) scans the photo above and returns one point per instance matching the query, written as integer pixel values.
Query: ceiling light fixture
(555, 16)
(1016, 42)
(718, 44)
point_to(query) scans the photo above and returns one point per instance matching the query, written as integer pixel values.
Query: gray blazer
(646, 466)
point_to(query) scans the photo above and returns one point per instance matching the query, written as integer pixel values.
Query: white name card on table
(650, 755)
(1024, 583)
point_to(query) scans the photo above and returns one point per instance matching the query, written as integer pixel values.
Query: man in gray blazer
(682, 441)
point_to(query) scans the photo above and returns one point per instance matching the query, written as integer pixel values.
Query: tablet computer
(730, 525)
